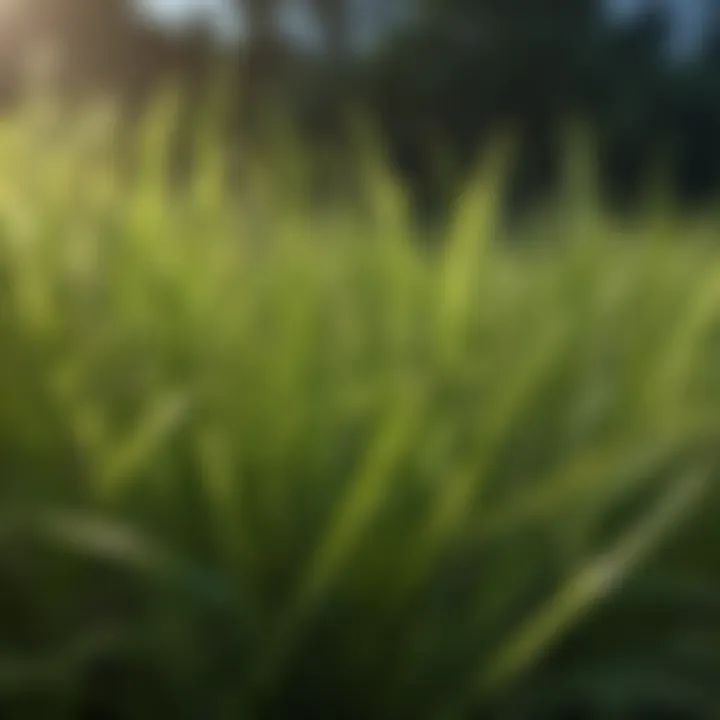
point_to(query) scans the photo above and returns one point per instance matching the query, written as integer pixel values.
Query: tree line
(446, 80)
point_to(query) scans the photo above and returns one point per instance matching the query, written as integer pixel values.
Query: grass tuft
(263, 456)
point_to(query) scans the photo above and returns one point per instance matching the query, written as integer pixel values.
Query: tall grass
(265, 458)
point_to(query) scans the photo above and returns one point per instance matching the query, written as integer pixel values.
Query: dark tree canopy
(467, 69)
(441, 85)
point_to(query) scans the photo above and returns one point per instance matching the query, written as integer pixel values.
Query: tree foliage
(452, 77)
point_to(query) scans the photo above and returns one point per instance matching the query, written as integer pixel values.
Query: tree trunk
(334, 17)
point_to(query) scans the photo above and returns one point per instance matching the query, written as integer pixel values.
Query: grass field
(264, 460)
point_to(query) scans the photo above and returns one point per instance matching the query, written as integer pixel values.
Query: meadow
(262, 457)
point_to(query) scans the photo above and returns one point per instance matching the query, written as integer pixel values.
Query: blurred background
(439, 77)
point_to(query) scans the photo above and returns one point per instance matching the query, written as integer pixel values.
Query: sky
(221, 15)
(688, 16)
(179, 12)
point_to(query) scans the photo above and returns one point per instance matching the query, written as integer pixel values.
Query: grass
(264, 459)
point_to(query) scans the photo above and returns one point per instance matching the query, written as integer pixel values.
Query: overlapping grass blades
(261, 457)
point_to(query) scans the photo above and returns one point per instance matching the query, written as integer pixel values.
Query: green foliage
(260, 458)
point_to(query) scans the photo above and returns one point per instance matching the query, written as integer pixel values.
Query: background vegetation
(440, 81)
